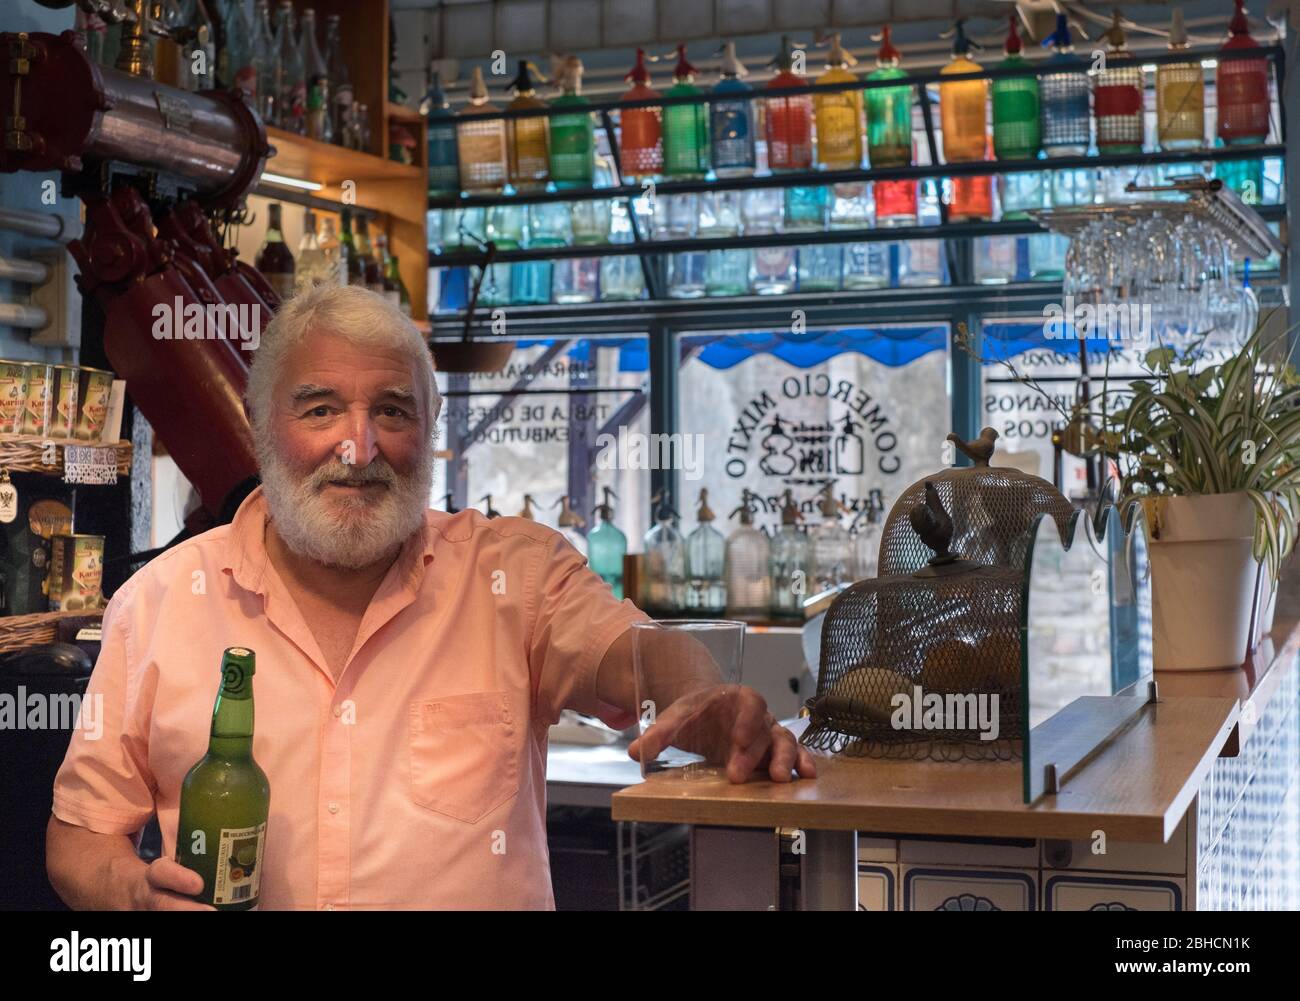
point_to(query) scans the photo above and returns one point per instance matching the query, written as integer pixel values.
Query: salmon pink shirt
(418, 780)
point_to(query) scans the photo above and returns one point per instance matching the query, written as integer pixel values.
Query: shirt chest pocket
(464, 754)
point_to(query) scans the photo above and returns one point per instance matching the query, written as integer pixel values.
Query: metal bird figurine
(934, 525)
(980, 449)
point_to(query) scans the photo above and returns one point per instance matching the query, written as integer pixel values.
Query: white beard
(345, 532)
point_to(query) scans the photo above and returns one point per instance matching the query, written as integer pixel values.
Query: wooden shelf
(330, 165)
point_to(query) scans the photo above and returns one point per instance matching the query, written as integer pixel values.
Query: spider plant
(1227, 427)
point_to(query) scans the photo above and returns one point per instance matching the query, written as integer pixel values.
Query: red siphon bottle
(641, 129)
(1241, 86)
(788, 125)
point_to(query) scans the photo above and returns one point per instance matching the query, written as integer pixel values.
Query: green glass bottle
(573, 139)
(606, 546)
(225, 798)
(889, 111)
(686, 126)
(1016, 130)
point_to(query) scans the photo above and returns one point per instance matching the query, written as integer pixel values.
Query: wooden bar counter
(1193, 806)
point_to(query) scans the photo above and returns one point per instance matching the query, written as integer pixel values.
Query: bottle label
(239, 864)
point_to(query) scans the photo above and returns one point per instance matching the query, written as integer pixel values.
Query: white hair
(359, 316)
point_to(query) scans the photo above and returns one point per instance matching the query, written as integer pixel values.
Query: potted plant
(1212, 452)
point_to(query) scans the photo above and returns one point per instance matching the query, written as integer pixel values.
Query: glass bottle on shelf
(506, 230)
(1180, 95)
(1241, 86)
(790, 560)
(340, 83)
(838, 114)
(748, 563)
(832, 548)
(316, 77)
(994, 260)
(264, 58)
(351, 265)
(731, 119)
(366, 251)
(235, 64)
(665, 561)
(761, 212)
(686, 126)
(920, 262)
(1117, 97)
(274, 260)
(527, 139)
(706, 588)
(394, 275)
(444, 163)
(577, 279)
(1047, 250)
(677, 217)
(788, 120)
(866, 543)
(1063, 97)
(313, 267)
(573, 139)
(1021, 192)
(1016, 128)
(818, 265)
(606, 545)
(549, 225)
(621, 277)
(866, 264)
(726, 272)
(569, 524)
(895, 203)
(391, 295)
(481, 144)
(889, 110)
(290, 83)
(962, 108)
(641, 144)
(335, 265)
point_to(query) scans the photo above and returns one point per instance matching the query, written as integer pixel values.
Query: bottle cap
(683, 70)
(785, 55)
(731, 64)
(605, 509)
(790, 510)
(523, 81)
(446, 498)
(1239, 25)
(527, 511)
(238, 665)
(1013, 46)
(478, 92)
(491, 512)
(569, 518)
(888, 55)
(437, 97)
(961, 45)
(1114, 35)
(829, 508)
(745, 510)
(1060, 38)
(1177, 33)
(638, 73)
(838, 56)
(569, 75)
(664, 512)
(705, 513)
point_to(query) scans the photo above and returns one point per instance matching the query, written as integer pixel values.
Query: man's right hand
(166, 885)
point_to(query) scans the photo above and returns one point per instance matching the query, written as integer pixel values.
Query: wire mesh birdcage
(924, 661)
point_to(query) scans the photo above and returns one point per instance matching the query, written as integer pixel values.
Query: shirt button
(329, 907)
(338, 711)
(334, 808)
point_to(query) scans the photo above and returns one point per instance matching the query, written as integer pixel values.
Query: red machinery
(154, 166)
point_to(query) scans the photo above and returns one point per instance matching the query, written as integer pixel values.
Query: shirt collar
(247, 560)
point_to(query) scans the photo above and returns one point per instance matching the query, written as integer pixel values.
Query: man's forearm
(91, 872)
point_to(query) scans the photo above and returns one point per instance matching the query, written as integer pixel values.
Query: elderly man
(410, 662)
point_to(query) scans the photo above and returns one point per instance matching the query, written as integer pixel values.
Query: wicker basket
(18, 632)
(26, 454)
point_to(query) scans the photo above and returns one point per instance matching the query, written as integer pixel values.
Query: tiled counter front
(1235, 850)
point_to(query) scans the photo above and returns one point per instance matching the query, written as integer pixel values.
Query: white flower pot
(1204, 581)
